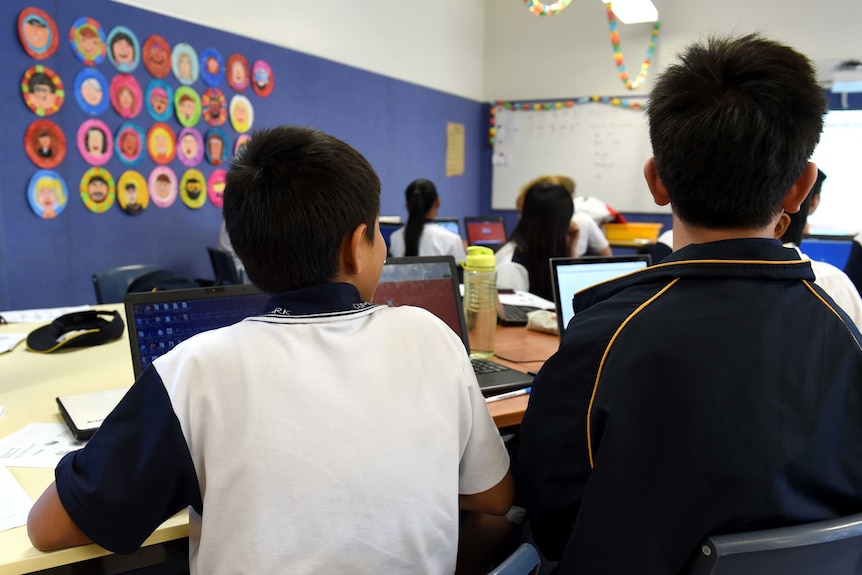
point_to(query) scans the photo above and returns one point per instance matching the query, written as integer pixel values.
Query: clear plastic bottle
(480, 300)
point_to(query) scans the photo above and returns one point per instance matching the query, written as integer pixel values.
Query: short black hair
(795, 229)
(732, 126)
(292, 195)
(41, 79)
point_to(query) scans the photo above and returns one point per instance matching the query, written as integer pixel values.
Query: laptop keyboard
(515, 314)
(485, 366)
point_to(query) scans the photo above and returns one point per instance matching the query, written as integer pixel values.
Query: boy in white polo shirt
(327, 434)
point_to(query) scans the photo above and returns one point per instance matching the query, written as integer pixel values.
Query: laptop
(571, 275)
(451, 224)
(85, 412)
(431, 283)
(160, 320)
(487, 231)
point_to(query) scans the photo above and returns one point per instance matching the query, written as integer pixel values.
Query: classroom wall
(399, 126)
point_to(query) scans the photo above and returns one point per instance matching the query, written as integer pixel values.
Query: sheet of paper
(8, 341)
(523, 298)
(15, 504)
(37, 315)
(38, 445)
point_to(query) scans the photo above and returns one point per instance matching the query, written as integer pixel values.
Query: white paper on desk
(525, 298)
(38, 445)
(15, 504)
(37, 315)
(8, 341)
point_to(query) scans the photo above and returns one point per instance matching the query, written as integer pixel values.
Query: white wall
(434, 43)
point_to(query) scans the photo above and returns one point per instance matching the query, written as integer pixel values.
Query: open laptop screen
(451, 224)
(485, 231)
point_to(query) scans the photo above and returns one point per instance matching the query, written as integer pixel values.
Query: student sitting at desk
(421, 236)
(720, 391)
(326, 435)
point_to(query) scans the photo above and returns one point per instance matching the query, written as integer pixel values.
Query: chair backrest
(524, 560)
(833, 546)
(111, 284)
(224, 267)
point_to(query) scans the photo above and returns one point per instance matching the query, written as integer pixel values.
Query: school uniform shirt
(327, 435)
(511, 274)
(836, 284)
(716, 392)
(435, 241)
(591, 238)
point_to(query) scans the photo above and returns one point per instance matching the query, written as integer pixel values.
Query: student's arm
(606, 251)
(49, 526)
(495, 501)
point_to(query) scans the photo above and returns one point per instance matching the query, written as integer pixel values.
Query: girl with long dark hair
(421, 236)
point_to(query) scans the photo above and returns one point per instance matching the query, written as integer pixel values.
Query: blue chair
(831, 547)
(111, 284)
(523, 561)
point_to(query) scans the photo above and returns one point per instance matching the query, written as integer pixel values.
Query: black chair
(853, 267)
(111, 284)
(224, 267)
(833, 546)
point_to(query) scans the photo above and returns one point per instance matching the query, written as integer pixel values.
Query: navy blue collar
(315, 300)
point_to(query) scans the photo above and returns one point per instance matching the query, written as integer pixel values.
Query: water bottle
(480, 300)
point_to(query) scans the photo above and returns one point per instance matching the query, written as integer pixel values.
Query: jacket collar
(316, 300)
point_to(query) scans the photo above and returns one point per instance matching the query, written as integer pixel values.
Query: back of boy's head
(292, 195)
(796, 227)
(732, 126)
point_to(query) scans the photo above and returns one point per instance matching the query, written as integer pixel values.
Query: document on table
(8, 341)
(38, 445)
(15, 504)
(37, 315)
(525, 299)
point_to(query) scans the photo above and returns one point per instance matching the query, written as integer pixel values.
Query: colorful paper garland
(539, 9)
(618, 54)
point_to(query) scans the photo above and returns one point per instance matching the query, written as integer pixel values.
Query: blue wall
(399, 127)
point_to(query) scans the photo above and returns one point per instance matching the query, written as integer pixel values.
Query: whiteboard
(602, 147)
(837, 154)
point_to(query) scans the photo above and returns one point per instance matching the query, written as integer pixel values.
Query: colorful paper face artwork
(214, 107)
(156, 55)
(91, 91)
(95, 142)
(163, 186)
(45, 144)
(161, 143)
(237, 72)
(132, 193)
(43, 90)
(129, 143)
(212, 67)
(126, 95)
(241, 113)
(215, 187)
(124, 52)
(184, 61)
(262, 78)
(97, 190)
(193, 189)
(160, 100)
(241, 141)
(187, 104)
(38, 33)
(215, 147)
(190, 147)
(88, 41)
(47, 194)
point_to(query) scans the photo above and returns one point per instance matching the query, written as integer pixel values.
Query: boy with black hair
(327, 434)
(720, 390)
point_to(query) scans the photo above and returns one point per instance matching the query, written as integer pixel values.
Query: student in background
(421, 236)
(544, 231)
(720, 391)
(833, 281)
(326, 435)
(591, 240)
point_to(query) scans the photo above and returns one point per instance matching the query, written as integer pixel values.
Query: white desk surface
(29, 384)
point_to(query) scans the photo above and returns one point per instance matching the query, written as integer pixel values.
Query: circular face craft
(88, 41)
(241, 113)
(215, 187)
(215, 147)
(161, 143)
(261, 78)
(126, 95)
(130, 143)
(214, 107)
(212, 67)
(187, 103)
(132, 193)
(97, 190)
(163, 186)
(190, 147)
(192, 189)
(241, 141)
(91, 91)
(45, 143)
(156, 55)
(237, 72)
(38, 33)
(184, 61)
(43, 90)
(95, 142)
(124, 52)
(47, 194)
(160, 100)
